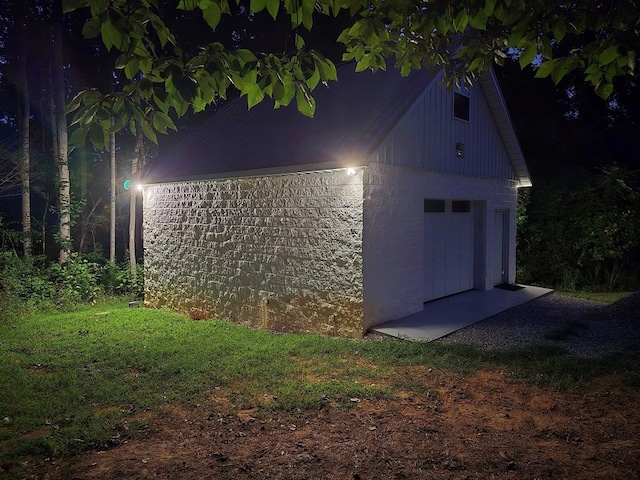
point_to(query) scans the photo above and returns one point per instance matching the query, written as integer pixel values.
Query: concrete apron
(446, 315)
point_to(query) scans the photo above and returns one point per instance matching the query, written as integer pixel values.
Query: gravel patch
(582, 327)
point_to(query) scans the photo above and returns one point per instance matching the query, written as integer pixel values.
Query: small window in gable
(461, 103)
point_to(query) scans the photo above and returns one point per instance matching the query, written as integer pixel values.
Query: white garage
(448, 247)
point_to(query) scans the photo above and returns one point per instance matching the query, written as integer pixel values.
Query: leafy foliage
(27, 284)
(166, 78)
(583, 232)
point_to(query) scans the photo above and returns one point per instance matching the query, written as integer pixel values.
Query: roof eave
(489, 85)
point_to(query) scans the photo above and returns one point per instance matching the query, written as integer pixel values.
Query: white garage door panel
(448, 252)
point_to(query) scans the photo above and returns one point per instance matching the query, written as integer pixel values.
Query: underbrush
(28, 284)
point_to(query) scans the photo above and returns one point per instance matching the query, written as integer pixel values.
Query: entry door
(448, 248)
(500, 248)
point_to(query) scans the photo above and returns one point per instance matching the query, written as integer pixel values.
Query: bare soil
(485, 426)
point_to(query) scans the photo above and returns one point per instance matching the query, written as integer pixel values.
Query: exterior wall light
(351, 171)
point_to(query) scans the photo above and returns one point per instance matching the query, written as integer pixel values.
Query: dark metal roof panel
(352, 117)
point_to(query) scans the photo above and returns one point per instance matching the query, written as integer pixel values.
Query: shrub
(75, 281)
(27, 284)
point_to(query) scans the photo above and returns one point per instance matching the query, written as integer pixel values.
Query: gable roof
(489, 85)
(353, 116)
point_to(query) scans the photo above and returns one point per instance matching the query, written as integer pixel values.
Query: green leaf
(479, 20)
(278, 92)
(604, 90)
(106, 36)
(75, 103)
(461, 21)
(71, 5)
(162, 122)
(257, 5)
(145, 65)
(245, 55)
(489, 7)
(97, 136)
(111, 36)
(305, 103)
(559, 30)
(545, 69)
(254, 95)
(131, 68)
(91, 28)
(299, 42)
(314, 79)
(609, 55)
(273, 7)
(327, 69)
(528, 54)
(212, 15)
(363, 63)
(187, 5)
(148, 131)
(560, 71)
(78, 137)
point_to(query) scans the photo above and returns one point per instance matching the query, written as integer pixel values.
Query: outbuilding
(398, 192)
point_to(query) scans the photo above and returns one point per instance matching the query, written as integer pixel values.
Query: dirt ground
(484, 426)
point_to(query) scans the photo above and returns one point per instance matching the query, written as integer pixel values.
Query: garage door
(448, 247)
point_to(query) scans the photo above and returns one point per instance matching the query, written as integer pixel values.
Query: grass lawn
(72, 381)
(606, 297)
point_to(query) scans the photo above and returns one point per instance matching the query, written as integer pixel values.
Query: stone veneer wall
(282, 252)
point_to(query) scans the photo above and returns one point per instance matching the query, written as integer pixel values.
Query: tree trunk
(135, 163)
(64, 194)
(84, 198)
(112, 202)
(24, 112)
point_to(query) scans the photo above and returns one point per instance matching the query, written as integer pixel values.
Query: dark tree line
(580, 223)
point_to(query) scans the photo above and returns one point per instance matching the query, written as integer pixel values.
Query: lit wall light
(351, 171)
(139, 187)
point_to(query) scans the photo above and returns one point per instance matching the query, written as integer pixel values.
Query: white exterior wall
(426, 137)
(393, 241)
(281, 252)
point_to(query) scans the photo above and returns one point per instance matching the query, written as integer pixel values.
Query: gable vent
(460, 150)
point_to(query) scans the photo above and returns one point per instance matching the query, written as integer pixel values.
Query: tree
(112, 197)
(62, 153)
(463, 38)
(24, 112)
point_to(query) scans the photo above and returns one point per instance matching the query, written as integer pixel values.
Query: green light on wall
(126, 184)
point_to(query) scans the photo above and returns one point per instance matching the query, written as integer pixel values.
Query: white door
(500, 243)
(448, 248)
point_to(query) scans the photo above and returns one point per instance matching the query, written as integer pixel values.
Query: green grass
(80, 379)
(606, 297)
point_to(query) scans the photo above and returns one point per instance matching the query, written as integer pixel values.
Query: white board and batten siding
(415, 162)
(427, 135)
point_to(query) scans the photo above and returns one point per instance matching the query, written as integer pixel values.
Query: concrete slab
(446, 315)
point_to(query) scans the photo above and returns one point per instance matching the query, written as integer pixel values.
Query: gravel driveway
(582, 327)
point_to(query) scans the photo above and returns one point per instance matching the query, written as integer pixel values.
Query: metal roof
(353, 116)
(495, 100)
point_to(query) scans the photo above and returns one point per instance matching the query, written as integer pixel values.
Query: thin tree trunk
(86, 216)
(135, 162)
(54, 148)
(112, 201)
(44, 224)
(84, 227)
(64, 192)
(24, 111)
